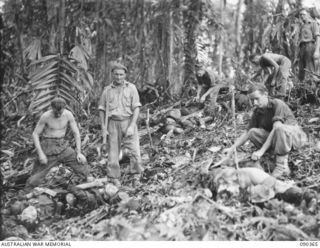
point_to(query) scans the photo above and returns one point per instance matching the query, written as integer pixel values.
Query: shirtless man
(53, 148)
(277, 80)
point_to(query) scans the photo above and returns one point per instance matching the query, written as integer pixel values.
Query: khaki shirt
(309, 32)
(122, 100)
(276, 110)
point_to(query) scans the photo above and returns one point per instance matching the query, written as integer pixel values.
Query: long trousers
(57, 153)
(280, 87)
(306, 60)
(130, 145)
(286, 138)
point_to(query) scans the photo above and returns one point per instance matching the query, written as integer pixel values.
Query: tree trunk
(169, 54)
(238, 33)
(52, 25)
(106, 74)
(62, 17)
(189, 45)
(19, 37)
(221, 47)
(179, 84)
(142, 45)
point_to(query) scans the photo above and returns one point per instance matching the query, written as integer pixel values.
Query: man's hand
(228, 151)
(130, 130)
(257, 155)
(277, 124)
(196, 99)
(104, 132)
(81, 158)
(316, 55)
(43, 158)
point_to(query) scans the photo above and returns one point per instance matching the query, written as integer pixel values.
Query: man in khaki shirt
(309, 45)
(120, 101)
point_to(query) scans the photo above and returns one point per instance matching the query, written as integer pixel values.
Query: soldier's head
(119, 72)
(259, 95)
(255, 59)
(304, 15)
(58, 104)
(200, 70)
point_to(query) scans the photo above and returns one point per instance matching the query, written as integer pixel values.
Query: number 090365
(309, 243)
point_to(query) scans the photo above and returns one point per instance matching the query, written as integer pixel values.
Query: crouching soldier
(273, 126)
(53, 149)
(208, 85)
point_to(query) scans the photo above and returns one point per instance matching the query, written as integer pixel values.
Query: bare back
(267, 58)
(55, 127)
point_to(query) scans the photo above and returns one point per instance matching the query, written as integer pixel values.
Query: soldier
(53, 148)
(121, 105)
(206, 85)
(273, 126)
(309, 45)
(277, 81)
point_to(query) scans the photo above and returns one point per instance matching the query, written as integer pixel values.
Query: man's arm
(199, 89)
(75, 130)
(35, 135)
(258, 73)
(258, 154)
(316, 34)
(135, 105)
(133, 121)
(135, 116)
(74, 127)
(102, 118)
(102, 112)
(275, 65)
(239, 142)
(80, 157)
(204, 96)
(316, 54)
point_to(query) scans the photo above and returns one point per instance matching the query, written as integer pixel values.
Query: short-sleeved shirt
(122, 100)
(276, 110)
(309, 31)
(207, 80)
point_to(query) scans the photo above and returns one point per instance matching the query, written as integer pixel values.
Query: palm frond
(54, 76)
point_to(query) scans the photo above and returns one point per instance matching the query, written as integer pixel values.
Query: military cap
(119, 66)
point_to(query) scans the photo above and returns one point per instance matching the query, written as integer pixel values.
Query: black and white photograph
(160, 120)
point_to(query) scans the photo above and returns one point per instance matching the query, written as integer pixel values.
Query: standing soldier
(309, 45)
(119, 110)
(277, 81)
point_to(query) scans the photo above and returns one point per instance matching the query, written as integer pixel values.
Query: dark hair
(258, 87)
(58, 103)
(253, 56)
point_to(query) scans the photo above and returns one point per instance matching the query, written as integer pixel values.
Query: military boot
(282, 168)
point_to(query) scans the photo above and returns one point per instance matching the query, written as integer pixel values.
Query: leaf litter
(178, 199)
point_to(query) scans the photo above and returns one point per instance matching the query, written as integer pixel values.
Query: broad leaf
(68, 96)
(43, 59)
(45, 68)
(70, 80)
(42, 75)
(51, 78)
